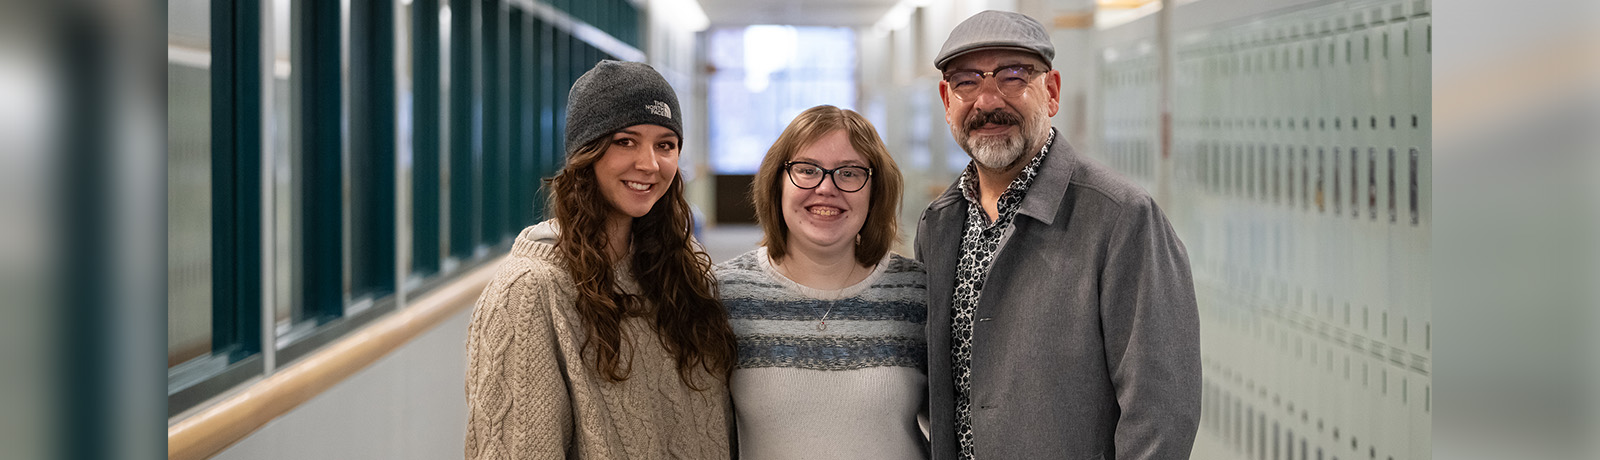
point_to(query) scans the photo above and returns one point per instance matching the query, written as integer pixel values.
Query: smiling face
(636, 169)
(995, 130)
(825, 218)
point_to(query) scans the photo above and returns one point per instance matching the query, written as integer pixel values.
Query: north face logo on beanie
(659, 108)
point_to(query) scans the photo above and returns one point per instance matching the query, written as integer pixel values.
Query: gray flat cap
(996, 29)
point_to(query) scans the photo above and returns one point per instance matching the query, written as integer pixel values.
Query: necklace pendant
(822, 326)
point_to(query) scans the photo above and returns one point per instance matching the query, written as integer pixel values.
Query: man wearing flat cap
(1061, 313)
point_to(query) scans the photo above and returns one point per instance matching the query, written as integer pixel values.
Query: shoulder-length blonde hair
(673, 276)
(882, 226)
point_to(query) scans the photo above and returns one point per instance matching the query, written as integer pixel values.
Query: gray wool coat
(1086, 340)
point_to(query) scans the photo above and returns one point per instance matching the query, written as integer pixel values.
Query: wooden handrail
(209, 432)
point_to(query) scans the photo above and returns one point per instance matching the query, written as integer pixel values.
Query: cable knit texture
(530, 394)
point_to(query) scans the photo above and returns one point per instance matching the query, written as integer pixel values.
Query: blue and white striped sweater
(877, 322)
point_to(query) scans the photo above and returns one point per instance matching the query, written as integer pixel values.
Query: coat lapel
(1040, 207)
(1049, 189)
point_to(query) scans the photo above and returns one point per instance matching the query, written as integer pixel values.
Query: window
(214, 220)
(428, 23)
(463, 123)
(765, 76)
(341, 150)
(189, 260)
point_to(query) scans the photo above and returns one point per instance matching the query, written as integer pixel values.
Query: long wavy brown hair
(673, 276)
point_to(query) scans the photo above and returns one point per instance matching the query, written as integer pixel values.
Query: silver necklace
(822, 323)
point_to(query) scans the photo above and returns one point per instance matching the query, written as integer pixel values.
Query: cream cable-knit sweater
(530, 394)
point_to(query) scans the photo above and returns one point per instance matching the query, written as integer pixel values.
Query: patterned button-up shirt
(978, 245)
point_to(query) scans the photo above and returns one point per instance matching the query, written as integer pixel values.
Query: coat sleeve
(517, 399)
(1152, 335)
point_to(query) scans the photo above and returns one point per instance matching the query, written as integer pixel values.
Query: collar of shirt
(1012, 197)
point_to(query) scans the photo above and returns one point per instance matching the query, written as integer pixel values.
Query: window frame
(236, 204)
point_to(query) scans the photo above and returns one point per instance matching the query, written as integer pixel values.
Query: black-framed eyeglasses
(1010, 79)
(807, 176)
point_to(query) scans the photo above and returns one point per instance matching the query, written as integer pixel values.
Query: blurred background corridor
(342, 176)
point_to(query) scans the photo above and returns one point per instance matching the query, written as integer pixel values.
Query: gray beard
(996, 154)
(1001, 154)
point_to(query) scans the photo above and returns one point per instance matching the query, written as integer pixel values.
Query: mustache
(996, 116)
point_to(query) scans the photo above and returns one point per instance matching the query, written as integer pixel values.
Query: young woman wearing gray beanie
(602, 335)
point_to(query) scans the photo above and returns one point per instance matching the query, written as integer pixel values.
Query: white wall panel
(410, 405)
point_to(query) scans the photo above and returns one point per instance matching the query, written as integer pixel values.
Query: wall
(409, 405)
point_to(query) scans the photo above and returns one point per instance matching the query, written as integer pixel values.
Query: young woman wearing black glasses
(829, 323)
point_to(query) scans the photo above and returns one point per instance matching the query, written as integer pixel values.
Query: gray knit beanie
(615, 95)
